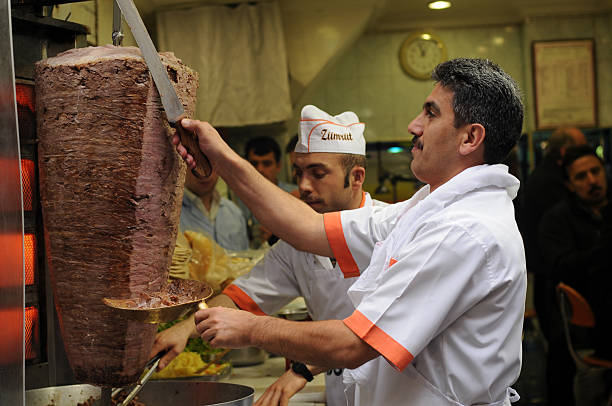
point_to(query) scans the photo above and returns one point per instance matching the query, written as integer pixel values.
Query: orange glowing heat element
(27, 183)
(29, 254)
(25, 95)
(31, 332)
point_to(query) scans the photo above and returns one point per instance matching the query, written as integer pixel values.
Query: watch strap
(302, 370)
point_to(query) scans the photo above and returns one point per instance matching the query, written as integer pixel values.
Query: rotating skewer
(117, 34)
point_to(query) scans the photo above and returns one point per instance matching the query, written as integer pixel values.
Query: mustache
(416, 143)
(595, 188)
(306, 198)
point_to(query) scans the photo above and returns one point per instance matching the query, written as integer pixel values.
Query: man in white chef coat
(440, 297)
(330, 167)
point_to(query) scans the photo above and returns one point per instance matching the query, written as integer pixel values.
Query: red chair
(589, 385)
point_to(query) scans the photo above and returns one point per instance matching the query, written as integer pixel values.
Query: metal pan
(190, 295)
(157, 393)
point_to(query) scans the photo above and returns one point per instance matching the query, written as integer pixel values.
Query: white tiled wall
(314, 35)
(368, 78)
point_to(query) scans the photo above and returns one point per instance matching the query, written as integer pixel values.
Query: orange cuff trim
(382, 342)
(242, 300)
(337, 242)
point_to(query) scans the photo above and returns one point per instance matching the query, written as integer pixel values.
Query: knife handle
(189, 140)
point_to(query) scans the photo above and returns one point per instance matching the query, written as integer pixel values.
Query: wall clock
(420, 53)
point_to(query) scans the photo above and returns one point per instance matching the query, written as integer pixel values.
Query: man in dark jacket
(576, 243)
(544, 188)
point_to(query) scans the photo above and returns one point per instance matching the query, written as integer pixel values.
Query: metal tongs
(151, 366)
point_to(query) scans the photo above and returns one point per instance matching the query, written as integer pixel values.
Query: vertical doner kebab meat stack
(111, 190)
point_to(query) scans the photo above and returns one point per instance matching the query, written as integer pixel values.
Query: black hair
(291, 144)
(262, 146)
(484, 94)
(348, 162)
(574, 153)
(561, 138)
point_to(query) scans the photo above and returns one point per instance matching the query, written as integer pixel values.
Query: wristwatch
(301, 369)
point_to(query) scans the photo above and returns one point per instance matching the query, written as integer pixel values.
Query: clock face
(421, 53)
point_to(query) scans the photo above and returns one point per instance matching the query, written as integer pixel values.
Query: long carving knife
(173, 106)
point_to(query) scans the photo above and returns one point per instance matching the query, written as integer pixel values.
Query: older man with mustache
(441, 290)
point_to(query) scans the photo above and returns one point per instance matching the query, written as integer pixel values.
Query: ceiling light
(498, 40)
(439, 5)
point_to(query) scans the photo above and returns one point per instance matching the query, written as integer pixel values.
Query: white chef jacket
(442, 293)
(285, 274)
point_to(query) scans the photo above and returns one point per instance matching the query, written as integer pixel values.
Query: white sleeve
(352, 234)
(423, 287)
(270, 285)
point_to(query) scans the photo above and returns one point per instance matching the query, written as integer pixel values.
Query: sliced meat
(111, 191)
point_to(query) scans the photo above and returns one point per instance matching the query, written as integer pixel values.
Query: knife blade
(172, 105)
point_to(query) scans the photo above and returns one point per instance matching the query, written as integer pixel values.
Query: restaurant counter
(260, 377)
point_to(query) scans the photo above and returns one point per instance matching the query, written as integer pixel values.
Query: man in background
(544, 188)
(330, 178)
(575, 240)
(265, 156)
(205, 211)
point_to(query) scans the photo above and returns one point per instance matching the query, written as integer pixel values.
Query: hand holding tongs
(152, 366)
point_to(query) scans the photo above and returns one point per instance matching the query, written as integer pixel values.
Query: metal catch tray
(154, 393)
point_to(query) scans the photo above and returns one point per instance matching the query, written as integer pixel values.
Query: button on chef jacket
(285, 274)
(442, 292)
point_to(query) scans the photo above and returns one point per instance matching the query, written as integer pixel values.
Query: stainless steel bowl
(157, 393)
(68, 395)
(243, 357)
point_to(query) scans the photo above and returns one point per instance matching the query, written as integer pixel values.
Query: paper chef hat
(320, 132)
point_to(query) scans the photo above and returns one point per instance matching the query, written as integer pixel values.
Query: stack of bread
(197, 256)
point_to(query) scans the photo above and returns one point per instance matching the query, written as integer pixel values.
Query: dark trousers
(560, 367)
(540, 302)
(560, 370)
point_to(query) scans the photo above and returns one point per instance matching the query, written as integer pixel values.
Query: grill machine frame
(33, 36)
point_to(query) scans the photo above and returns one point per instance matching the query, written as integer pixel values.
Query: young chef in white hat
(440, 299)
(330, 168)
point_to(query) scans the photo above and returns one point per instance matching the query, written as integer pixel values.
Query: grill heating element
(34, 278)
(36, 36)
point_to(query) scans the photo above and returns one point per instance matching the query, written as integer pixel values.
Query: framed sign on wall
(564, 83)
